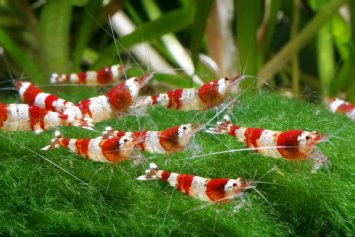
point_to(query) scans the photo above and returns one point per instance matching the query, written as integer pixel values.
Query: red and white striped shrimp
(209, 95)
(291, 144)
(32, 95)
(115, 102)
(340, 106)
(170, 140)
(23, 117)
(112, 150)
(204, 189)
(102, 76)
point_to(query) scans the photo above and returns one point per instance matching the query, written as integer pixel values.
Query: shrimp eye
(235, 184)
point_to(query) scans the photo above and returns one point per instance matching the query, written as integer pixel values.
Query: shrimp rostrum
(204, 189)
(291, 144)
(209, 95)
(23, 117)
(173, 139)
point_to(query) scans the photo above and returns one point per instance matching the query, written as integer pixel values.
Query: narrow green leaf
(341, 80)
(325, 57)
(170, 22)
(294, 63)
(132, 11)
(284, 55)
(324, 50)
(21, 58)
(341, 34)
(80, 3)
(54, 35)
(247, 23)
(202, 10)
(274, 6)
(351, 76)
(88, 21)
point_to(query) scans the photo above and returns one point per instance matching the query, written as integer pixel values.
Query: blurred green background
(305, 49)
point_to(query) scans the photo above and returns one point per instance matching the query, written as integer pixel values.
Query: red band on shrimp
(209, 92)
(104, 75)
(140, 137)
(169, 139)
(174, 98)
(49, 102)
(111, 150)
(184, 182)
(232, 130)
(63, 116)
(84, 107)
(154, 99)
(3, 114)
(215, 189)
(29, 96)
(82, 77)
(165, 176)
(251, 137)
(120, 133)
(289, 140)
(120, 97)
(82, 147)
(36, 115)
(344, 108)
(64, 142)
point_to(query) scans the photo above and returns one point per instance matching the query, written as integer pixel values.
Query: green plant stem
(21, 58)
(284, 55)
(325, 57)
(295, 64)
(202, 11)
(351, 91)
(85, 31)
(247, 24)
(267, 27)
(170, 22)
(54, 35)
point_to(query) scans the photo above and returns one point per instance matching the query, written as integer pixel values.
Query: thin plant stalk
(295, 64)
(275, 64)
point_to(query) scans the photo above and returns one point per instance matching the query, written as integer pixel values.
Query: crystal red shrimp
(23, 117)
(112, 150)
(102, 76)
(115, 102)
(204, 189)
(32, 95)
(291, 144)
(170, 140)
(209, 95)
(340, 106)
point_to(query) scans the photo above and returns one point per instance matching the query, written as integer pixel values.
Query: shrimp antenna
(205, 205)
(115, 42)
(262, 196)
(236, 150)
